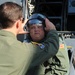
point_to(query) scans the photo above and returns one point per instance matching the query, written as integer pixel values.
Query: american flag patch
(61, 46)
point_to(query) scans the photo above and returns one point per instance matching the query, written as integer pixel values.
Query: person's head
(11, 16)
(36, 26)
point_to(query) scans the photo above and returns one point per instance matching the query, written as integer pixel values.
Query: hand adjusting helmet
(37, 19)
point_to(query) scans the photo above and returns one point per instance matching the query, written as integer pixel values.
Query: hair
(9, 13)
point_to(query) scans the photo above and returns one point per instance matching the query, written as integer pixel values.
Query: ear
(18, 24)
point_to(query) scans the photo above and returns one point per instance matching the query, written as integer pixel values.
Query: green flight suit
(57, 65)
(15, 57)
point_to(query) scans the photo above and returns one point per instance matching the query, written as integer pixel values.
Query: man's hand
(49, 25)
(23, 32)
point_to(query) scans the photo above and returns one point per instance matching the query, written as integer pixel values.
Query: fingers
(49, 25)
(24, 22)
(23, 32)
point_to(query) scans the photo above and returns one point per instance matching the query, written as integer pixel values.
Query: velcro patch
(39, 44)
(61, 46)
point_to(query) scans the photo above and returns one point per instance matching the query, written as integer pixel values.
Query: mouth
(36, 33)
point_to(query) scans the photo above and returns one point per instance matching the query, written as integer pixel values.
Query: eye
(40, 27)
(32, 27)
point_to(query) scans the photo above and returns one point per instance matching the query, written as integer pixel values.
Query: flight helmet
(37, 19)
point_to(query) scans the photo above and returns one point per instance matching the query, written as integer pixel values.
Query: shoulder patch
(61, 46)
(42, 46)
(39, 44)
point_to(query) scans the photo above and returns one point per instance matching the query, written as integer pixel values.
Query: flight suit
(59, 64)
(15, 57)
(56, 65)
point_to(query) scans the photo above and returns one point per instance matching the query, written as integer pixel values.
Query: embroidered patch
(61, 46)
(39, 44)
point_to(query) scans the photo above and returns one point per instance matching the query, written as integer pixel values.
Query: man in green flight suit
(15, 56)
(55, 65)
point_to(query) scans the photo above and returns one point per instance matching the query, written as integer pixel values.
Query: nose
(36, 28)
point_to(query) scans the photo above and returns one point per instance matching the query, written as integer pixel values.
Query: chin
(37, 40)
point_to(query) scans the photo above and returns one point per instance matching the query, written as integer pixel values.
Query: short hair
(9, 13)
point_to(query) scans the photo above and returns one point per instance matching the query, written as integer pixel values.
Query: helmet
(37, 19)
